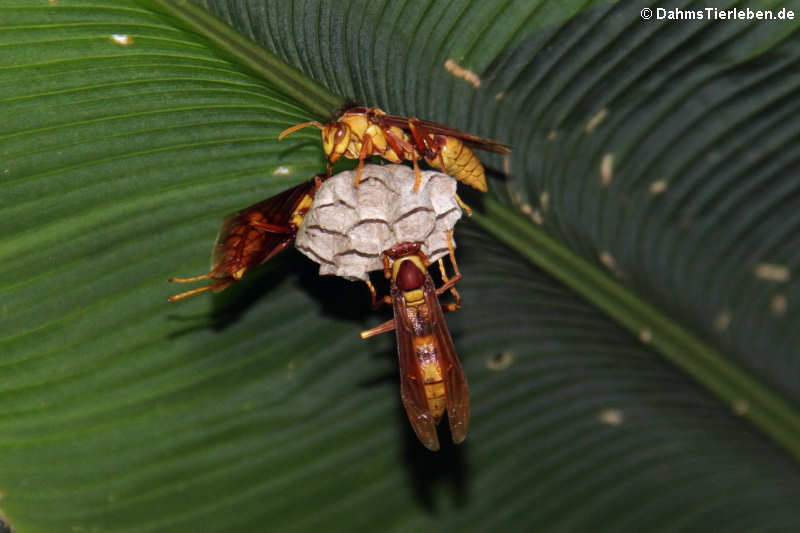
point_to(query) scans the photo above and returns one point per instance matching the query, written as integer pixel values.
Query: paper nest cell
(347, 228)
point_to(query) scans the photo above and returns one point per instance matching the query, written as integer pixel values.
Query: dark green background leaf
(260, 408)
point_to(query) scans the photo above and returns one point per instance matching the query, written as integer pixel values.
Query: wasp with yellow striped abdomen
(361, 132)
(431, 378)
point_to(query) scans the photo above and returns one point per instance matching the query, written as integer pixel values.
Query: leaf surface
(662, 153)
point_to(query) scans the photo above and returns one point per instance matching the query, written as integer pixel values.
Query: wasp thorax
(409, 276)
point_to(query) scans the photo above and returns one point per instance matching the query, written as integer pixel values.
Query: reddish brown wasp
(431, 378)
(254, 235)
(361, 132)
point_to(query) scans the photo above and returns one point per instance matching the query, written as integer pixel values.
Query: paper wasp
(361, 132)
(431, 378)
(252, 236)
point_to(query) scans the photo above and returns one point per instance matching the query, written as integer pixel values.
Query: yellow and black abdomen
(460, 162)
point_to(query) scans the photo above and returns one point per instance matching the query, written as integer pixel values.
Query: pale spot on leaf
(611, 416)
(658, 186)
(596, 120)
(610, 263)
(772, 272)
(544, 199)
(500, 361)
(122, 39)
(722, 321)
(607, 169)
(456, 70)
(779, 303)
(740, 407)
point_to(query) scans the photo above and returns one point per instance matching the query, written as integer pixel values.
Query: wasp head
(335, 139)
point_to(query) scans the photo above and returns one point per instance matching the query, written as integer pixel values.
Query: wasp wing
(455, 383)
(440, 129)
(412, 388)
(252, 236)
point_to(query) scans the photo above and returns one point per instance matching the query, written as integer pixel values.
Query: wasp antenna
(216, 287)
(192, 292)
(289, 131)
(188, 280)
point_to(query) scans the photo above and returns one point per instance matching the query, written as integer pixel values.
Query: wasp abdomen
(431, 372)
(460, 162)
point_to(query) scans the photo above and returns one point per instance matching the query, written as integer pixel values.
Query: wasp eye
(340, 133)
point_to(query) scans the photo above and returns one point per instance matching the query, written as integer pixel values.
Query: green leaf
(661, 152)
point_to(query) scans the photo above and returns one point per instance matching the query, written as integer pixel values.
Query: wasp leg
(383, 328)
(419, 135)
(452, 252)
(366, 150)
(404, 149)
(449, 283)
(432, 145)
(422, 142)
(387, 270)
(417, 173)
(425, 260)
(399, 146)
(464, 206)
(373, 295)
(375, 302)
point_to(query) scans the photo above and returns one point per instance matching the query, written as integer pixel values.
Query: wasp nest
(347, 228)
